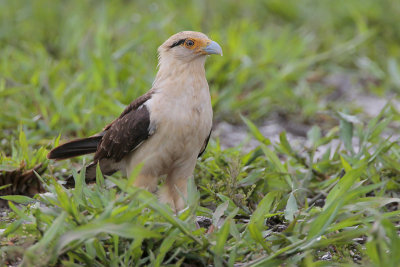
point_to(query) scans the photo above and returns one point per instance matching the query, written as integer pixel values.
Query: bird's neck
(180, 72)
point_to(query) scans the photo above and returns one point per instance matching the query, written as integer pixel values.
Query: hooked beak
(213, 48)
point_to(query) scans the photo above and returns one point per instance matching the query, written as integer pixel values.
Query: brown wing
(125, 133)
(132, 106)
(205, 145)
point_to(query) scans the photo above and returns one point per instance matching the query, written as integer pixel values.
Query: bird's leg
(147, 182)
(174, 192)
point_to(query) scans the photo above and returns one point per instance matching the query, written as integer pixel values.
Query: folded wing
(124, 135)
(117, 139)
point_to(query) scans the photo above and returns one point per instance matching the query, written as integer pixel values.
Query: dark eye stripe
(181, 41)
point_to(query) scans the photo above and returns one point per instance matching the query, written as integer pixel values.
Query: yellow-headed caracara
(166, 129)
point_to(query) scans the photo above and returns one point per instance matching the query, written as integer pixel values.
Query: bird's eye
(189, 43)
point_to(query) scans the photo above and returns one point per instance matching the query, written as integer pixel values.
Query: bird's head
(187, 46)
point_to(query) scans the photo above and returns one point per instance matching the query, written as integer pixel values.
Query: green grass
(69, 67)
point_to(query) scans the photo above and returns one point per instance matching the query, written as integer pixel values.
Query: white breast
(181, 122)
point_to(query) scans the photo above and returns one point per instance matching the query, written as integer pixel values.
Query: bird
(165, 130)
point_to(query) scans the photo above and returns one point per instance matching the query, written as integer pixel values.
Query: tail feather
(107, 167)
(75, 148)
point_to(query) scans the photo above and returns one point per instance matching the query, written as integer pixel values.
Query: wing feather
(127, 132)
(205, 145)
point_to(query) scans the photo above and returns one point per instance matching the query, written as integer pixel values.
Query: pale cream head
(188, 45)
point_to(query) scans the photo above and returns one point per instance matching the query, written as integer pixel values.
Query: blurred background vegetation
(70, 67)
